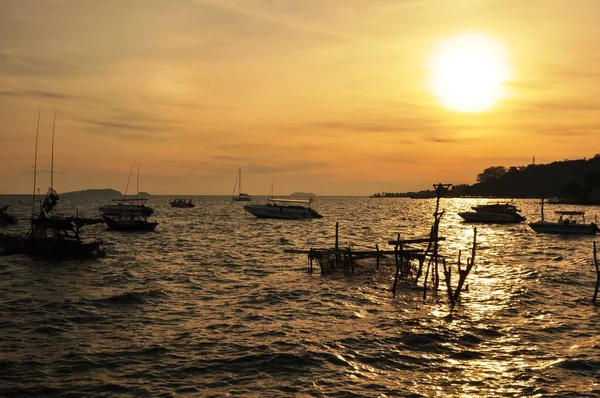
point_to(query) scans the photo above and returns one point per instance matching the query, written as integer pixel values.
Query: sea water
(210, 305)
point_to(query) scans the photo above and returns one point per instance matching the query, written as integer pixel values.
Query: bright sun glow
(468, 73)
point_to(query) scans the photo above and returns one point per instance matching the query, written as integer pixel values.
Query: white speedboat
(494, 213)
(290, 209)
(568, 223)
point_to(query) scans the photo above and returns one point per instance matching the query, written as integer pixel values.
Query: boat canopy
(306, 201)
(570, 212)
(66, 223)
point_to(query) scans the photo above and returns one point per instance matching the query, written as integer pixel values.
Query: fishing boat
(129, 222)
(5, 217)
(52, 236)
(240, 197)
(289, 209)
(55, 238)
(128, 214)
(127, 206)
(568, 223)
(183, 203)
(494, 213)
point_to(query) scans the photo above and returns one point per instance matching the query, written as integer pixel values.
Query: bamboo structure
(408, 259)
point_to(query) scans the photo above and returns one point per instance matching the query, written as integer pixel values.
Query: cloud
(38, 94)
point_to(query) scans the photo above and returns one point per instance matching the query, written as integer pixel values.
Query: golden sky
(325, 96)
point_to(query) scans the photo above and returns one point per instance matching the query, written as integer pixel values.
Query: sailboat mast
(37, 133)
(240, 187)
(138, 183)
(129, 178)
(52, 158)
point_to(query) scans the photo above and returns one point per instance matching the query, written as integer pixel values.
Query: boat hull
(543, 227)
(282, 212)
(241, 198)
(49, 248)
(129, 225)
(491, 218)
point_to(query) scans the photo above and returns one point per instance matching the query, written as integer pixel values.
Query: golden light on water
(468, 72)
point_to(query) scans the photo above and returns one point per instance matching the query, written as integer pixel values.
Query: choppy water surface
(210, 305)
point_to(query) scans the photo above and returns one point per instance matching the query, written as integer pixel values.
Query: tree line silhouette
(574, 181)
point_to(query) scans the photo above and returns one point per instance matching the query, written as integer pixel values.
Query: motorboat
(494, 213)
(240, 197)
(290, 209)
(182, 203)
(568, 223)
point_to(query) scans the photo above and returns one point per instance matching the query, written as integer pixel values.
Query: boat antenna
(129, 178)
(37, 133)
(52, 158)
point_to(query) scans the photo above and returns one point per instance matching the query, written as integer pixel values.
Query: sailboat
(51, 236)
(129, 214)
(241, 197)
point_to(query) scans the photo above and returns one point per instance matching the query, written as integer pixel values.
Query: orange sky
(324, 96)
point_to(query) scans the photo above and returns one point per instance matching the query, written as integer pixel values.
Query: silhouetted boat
(5, 217)
(129, 222)
(54, 238)
(291, 209)
(183, 203)
(494, 213)
(568, 223)
(240, 197)
(127, 206)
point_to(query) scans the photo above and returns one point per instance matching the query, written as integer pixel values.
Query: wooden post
(337, 256)
(597, 275)
(398, 265)
(462, 275)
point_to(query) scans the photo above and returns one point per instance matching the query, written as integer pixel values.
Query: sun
(468, 72)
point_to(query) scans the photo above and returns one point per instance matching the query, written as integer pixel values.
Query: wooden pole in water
(398, 265)
(37, 133)
(597, 275)
(337, 256)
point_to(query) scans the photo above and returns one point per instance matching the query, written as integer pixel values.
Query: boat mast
(129, 178)
(37, 133)
(138, 183)
(240, 186)
(52, 158)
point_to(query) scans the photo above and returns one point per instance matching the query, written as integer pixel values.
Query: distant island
(567, 182)
(106, 193)
(303, 195)
(413, 195)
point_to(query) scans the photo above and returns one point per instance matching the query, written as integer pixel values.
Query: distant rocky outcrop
(303, 195)
(106, 193)
(96, 193)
